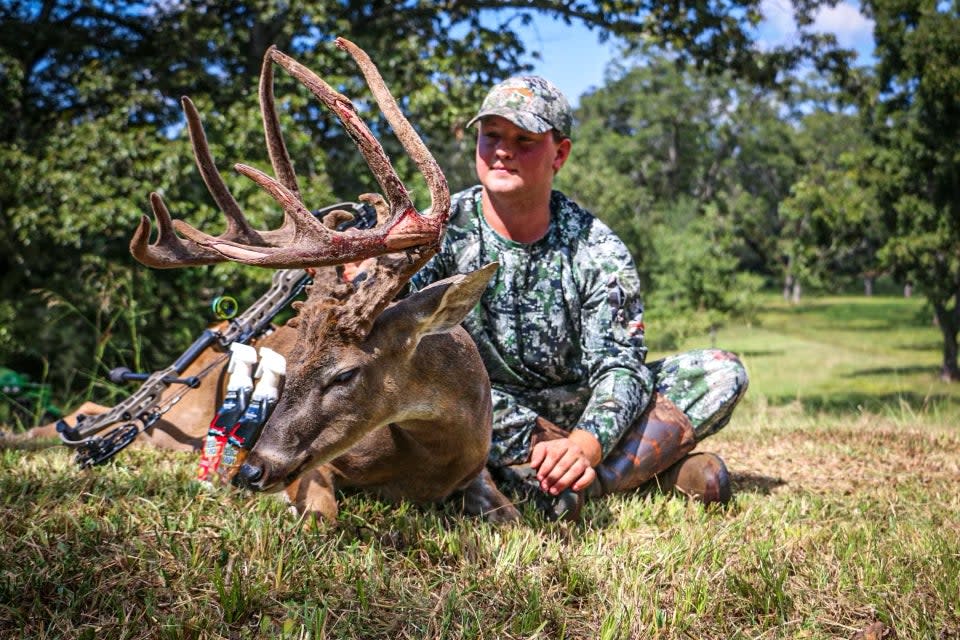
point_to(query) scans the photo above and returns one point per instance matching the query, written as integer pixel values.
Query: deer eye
(340, 378)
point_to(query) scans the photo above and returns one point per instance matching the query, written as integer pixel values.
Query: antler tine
(303, 241)
(237, 225)
(298, 221)
(276, 147)
(169, 250)
(412, 143)
(240, 242)
(345, 111)
(379, 205)
(312, 244)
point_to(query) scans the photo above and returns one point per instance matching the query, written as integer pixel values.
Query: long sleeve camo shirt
(559, 327)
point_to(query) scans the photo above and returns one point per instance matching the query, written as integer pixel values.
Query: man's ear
(443, 305)
(563, 152)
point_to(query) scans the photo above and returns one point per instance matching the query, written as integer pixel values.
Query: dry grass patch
(778, 452)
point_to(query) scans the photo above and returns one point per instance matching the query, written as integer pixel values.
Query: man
(560, 327)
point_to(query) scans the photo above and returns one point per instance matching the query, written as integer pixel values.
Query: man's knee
(726, 380)
(728, 371)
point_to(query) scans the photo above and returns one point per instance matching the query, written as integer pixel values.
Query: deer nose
(247, 475)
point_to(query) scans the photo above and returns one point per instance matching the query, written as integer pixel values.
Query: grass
(845, 457)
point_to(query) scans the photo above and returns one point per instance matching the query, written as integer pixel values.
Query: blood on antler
(302, 240)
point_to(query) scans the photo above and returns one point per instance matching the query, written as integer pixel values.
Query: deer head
(358, 364)
(352, 372)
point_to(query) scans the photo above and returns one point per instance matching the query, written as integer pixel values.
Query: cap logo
(526, 93)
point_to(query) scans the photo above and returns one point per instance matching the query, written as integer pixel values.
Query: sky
(574, 59)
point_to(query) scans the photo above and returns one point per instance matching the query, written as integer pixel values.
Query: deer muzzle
(249, 476)
(261, 472)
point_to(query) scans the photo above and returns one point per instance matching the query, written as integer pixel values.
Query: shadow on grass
(754, 483)
(852, 402)
(934, 345)
(868, 314)
(896, 371)
(761, 354)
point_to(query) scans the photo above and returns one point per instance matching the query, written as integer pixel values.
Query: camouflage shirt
(559, 327)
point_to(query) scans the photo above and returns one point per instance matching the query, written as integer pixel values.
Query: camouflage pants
(705, 384)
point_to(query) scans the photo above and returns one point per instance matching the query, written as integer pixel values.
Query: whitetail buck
(388, 397)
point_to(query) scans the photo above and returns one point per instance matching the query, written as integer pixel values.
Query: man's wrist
(590, 445)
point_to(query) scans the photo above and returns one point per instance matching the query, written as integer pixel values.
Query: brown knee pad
(661, 437)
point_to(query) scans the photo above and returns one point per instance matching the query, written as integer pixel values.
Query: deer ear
(443, 305)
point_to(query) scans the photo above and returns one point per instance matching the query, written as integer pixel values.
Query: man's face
(511, 160)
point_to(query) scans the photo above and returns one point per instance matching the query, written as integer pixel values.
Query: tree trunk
(867, 286)
(948, 322)
(795, 294)
(949, 372)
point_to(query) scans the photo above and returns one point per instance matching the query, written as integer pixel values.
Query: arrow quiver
(142, 409)
(239, 388)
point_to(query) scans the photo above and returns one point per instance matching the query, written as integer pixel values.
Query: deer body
(398, 432)
(382, 427)
(416, 448)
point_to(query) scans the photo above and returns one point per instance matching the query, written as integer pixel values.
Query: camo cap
(530, 102)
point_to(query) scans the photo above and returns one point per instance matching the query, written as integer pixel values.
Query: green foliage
(831, 215)
(92, 89)
(90, 95)
(913, 115)
(699, 285)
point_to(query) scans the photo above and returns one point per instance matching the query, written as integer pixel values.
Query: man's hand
(566, 462)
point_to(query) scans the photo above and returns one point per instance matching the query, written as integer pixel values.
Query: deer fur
(381, 409)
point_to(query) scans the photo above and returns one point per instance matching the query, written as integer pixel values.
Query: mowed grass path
(844, 354)
(846, 464)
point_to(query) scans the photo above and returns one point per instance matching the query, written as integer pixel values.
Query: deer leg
(312, 493)
(482, 498)
(50, 430)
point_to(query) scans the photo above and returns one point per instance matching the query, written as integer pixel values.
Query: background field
(845, 457)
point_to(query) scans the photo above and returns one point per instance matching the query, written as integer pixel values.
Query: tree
(913, 116)
(688, 168)
(830, 217)
(89, 90)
